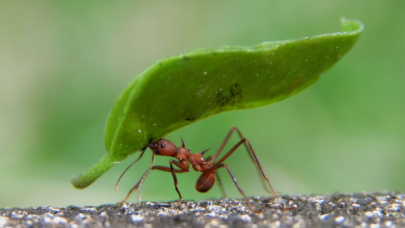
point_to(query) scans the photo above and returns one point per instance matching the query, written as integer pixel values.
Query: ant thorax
(198, 162)
(182, 153)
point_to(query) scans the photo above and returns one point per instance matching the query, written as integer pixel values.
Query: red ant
(208, 167)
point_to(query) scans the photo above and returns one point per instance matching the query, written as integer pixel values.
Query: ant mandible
(208, 166)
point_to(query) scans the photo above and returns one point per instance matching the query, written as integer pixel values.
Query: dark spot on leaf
(230, 97)
(191, 118)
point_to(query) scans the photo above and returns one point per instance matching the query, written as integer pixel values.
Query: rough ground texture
(384, 209)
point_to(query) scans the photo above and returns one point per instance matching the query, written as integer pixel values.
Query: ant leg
(247, 149)
(224, 143)
(173, 171)
(167, 169)
(119, 179)
(218, 164)
(139, 184)
(237, 185)
(220, 184)
(176, 183)
(182, 169)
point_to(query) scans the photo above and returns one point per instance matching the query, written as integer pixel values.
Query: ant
(208, 166)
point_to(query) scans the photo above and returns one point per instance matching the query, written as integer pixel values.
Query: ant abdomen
(205, 182)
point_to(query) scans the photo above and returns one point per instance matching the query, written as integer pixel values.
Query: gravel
(382, 209)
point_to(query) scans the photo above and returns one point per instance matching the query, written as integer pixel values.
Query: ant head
(163, 147)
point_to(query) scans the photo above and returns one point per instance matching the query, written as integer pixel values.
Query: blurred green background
(63, 63)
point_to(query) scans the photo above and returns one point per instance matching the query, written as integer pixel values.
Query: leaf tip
(349, 25)
(87, 178)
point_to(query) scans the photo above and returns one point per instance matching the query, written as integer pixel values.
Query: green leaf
(180, 90)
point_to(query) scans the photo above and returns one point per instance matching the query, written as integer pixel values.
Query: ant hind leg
(220, 184)
(219, 164)
(233, 129)
(240, 190)
(209, 158)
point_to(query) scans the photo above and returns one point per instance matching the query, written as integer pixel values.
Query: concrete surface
(383, 209)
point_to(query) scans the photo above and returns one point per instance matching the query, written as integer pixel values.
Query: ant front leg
(119, 179)
(139, 184)
(183, 168)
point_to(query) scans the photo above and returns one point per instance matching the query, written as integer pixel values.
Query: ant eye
(162, 146)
